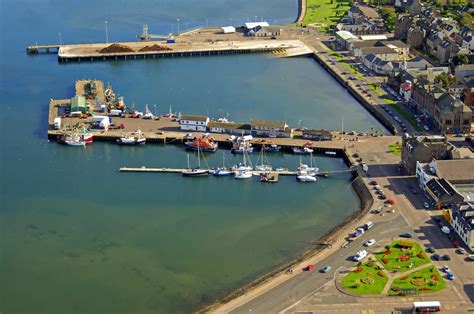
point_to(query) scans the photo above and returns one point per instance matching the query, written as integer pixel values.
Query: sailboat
(262, 167)
(195, 172)
(222, 171)
(242, 170)
(148, 114)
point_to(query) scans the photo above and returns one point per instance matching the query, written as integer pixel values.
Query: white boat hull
(306, 178)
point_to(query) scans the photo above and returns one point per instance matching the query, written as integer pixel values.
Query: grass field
(395, 149)
(425, 280)
(368, 280)
(325, 12)
(401, 259)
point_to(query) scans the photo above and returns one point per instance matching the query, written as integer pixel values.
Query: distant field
(327, 12)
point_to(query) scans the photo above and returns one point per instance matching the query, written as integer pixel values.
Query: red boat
(87, 137)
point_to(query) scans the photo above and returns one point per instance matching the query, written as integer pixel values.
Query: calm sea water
(77, 236)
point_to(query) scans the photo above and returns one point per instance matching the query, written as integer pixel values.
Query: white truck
(57, 123)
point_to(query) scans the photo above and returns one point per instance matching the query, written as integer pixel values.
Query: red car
(309, 267)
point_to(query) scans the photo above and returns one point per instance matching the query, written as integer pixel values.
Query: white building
(193, 123)
(463, 223)
(228, 29)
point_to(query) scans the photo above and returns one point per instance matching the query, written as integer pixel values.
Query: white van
(368, 225)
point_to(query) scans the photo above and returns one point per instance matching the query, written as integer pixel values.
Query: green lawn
(325, 12)
(409, 117)
(366, 281)
(425, 280)
(391, 259)
(395, 149)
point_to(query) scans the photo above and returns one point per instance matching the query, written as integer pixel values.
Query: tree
(390, 17)
(445, 80)
(460, 58)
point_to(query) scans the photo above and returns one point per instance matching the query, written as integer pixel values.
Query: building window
(466, 122)
(448, 122)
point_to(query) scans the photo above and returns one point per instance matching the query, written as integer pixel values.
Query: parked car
(445, 268)
(406, 235)
(370, 242)
(436, 257)
(471, 257)
(446, 257)
(430, 249)
(426, 205)
(461, 251)
(373, 182)
(450, 276)
(309, 267)
(360, 255)
(325, 269)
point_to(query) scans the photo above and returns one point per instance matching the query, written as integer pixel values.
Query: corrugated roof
(271, 124)
(193, 118)
(460, 170)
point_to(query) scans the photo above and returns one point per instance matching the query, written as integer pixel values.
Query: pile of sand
(154, 47)
(116, 48)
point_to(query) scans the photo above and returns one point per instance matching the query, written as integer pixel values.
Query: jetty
(153, 50)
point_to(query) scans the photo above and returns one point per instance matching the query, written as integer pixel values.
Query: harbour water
(77, 236)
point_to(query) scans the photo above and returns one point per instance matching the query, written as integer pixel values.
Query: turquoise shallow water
(77, 236)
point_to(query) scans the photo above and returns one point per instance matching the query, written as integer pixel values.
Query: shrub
(387, 252)
(421, 255)
(380, 274)
(433, 283)
(404, 277)
(367, 280)
(404, 258)
(396, 289)
(358, 270)
(425, 289)
(434, 277)
(417, 282)
(385, 261)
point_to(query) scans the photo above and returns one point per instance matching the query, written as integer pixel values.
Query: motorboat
(243, 174)
(302, 151)
(204, 144)
(240, 166)
(87, 137)
(242, 145)
(268, 178)
(304, 177)
(273, 148)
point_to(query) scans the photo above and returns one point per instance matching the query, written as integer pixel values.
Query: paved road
(304, 284)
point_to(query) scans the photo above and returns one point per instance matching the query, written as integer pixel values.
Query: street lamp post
(155, 109)
(60, 40)
(178, 24)
(106, 33)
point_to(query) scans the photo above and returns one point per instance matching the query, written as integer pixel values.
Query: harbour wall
(360, 98)
(301, 11)
(327, 241)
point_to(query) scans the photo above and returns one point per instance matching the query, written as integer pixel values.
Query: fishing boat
(242, 148)
(87, 137)
(302, 151)
(273, 148)
(132, 139)
(203, 143)
(222, 171)
(262, 167)
(74, 140)
(195, 172)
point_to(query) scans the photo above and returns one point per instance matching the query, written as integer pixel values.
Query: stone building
(452, 115)
(422, 149)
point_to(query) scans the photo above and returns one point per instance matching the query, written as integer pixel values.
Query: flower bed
(402, 257)
(366, 281)
(425, 280)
